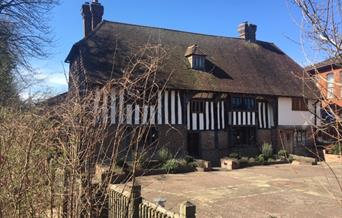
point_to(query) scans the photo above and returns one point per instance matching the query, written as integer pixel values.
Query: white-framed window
(198, 62)
(330, 85)
(299, 137)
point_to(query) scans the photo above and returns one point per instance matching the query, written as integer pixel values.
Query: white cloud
(52, 79)
(58, 79)
(24, 94)
(45, 83)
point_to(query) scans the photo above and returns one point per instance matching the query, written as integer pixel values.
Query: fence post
(187, 210)
(136, 200)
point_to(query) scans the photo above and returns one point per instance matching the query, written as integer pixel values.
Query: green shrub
(290, 158)
(164, 155)
(234, 155)
(267, 150)
(245, 151)
(283, 154)
(336, 149)
(120, 163)
(144, 159)
(193, 164)
(182, 162)
(270, 160)
(171, 165)
(261, 158)
(189, 159)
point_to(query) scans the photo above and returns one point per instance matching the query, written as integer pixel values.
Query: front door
(194, 144)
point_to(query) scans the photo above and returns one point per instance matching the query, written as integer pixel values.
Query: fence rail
(148, 209)
(123, 203)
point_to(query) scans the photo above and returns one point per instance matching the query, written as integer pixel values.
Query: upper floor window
(196, 57)
(197, 106)
(198, 62)
(299, 104)
(330, 85)
(243, 103)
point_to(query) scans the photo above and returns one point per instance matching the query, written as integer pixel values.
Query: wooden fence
(123, 203)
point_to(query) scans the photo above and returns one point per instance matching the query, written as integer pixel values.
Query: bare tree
(24, 30)
(321, 31)
(60, 146)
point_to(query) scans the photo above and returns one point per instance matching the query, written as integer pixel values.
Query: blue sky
(276, 21)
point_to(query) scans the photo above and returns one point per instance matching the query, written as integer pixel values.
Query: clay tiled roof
(325, 65)
(232, 64)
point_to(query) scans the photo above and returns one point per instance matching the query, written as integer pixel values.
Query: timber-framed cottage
(225, 94)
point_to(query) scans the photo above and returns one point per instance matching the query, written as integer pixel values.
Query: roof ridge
(179, 31)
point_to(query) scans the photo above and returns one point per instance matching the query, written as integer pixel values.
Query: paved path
(264, 191)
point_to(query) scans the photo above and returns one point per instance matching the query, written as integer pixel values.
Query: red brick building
(328, 77)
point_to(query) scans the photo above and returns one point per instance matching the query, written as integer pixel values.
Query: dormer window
(198, 62)
(195, 57)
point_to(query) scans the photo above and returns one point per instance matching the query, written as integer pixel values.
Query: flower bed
(235, 161)
(231, 163)
(164, 163)
(116, 177)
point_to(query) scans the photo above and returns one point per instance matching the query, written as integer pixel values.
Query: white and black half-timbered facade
(222, 94)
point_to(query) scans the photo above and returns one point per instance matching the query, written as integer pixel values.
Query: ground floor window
(244, 135)
(299, 137)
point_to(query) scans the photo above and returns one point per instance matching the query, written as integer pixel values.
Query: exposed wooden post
(187, 210)
(136, 201)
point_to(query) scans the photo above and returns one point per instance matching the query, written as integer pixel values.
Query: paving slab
(262, 191)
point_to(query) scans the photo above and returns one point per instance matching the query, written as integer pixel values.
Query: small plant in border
(171, 165)
(267, 150)
(164, 155)
(234, 155)
(283, 154)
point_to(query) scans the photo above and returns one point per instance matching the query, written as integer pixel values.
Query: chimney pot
(247, 31)
(86, 14)
(97, 11)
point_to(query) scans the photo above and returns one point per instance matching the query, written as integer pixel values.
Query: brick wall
(322, 84)
(213, 152)
(174, 138)
(264, 136)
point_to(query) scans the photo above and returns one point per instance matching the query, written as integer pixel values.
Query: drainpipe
(316, 112)
(315, 106)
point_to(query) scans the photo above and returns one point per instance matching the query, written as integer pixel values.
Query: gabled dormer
(195, 57)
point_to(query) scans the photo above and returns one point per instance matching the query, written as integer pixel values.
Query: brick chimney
(96, 10)
(86, 14)
(247, 31)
